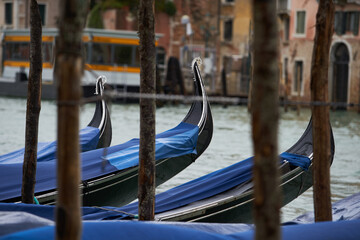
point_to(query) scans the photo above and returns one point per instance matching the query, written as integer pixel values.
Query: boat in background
(97, 134)
(113, 53)
(110, 175)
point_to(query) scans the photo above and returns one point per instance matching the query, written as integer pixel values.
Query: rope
(36, 201)
(117, 211)
(113, 94)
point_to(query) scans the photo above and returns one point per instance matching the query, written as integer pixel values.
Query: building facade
(297, 24)
(16, 13)
(235, 36)
(220, 33)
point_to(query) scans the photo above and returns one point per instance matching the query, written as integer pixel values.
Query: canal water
(231, 140)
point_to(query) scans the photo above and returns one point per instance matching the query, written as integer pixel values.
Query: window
(160, 56)
(228, 30)
(300, 22)
(47, 51)
(338, 23)
(17, 51)
(123, 55)
(137, 56)
(285, 71)
(42, 9)
(283, 5)
(101, 54)
(346, 22)
(286, 29)
(298, 77)
(20, 51)
(8, 13)
(352, 24)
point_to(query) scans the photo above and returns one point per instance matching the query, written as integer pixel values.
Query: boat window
(17, 51)
(20, 51)
(137, 56)
(160, 56)
(85, 52)
(101, 54)
(123, 55)
(47, 52)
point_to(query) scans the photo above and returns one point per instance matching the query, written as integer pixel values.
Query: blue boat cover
(19, 217)
(46, 151)
(200, 188)
(208, 185)
(147, 230)
(178, 141)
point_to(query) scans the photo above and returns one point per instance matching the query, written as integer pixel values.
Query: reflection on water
(231, 140)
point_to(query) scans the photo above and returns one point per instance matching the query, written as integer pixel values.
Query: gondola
(234, 202)
(101, 118)
(226, 195)
(110, 175)
(17, 218)
(97, 134)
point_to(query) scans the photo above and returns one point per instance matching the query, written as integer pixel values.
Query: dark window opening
(101, 54)
(123, 55)
(298, 78)
(286, 77)
(286, 29)
(42, 9)
(20, 51)
(8, 13)
(228, 30)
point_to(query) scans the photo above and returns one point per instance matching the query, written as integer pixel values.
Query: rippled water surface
(231, 140)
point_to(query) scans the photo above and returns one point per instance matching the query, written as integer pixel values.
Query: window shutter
(337, 23)
(343, 22)
(355, 29)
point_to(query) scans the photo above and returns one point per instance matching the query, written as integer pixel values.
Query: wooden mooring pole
(68, 73)
(319, 93)
(33, 105)
(265, 114)
(146, 185)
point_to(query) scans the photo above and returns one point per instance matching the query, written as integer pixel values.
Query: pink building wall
(300, 46)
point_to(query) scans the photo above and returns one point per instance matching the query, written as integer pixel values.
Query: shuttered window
(300, 22)
(346, 22)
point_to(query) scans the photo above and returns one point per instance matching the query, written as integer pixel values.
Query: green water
(231, 140)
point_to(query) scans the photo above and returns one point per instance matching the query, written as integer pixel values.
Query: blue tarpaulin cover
(200, 188)
(211, 184)
(146, 230)
(46, 151)
(18, 217)
(178, 141)
(346, 217)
